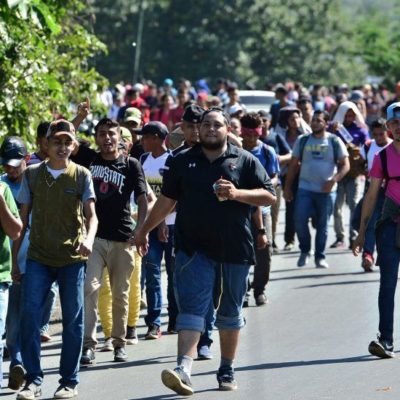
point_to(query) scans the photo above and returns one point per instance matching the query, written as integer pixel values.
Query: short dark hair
(226, 116)
(42, 129)
(110, 123)
(324, 114)
(378, 123)
(251, 120)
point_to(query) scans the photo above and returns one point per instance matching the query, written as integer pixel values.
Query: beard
(213, 145)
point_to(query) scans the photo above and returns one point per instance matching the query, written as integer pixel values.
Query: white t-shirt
(55, 173)
(373, 149)
(153, 170)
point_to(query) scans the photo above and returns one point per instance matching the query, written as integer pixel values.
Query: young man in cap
(59, 193)
(115, 177)
(10, 228)
(162, 237)
(213, 185)
(385, 167)
(14, 158)
(133, 121)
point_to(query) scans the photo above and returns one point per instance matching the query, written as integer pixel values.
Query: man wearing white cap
(385, 167)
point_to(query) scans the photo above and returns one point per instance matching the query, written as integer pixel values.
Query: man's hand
(225, 189)
(141, 242)
(15, 273)
(328, 185)
(358, 245)
(262, 241)
(288, 194)
(85, 248)
(84, 109)
(162, 232)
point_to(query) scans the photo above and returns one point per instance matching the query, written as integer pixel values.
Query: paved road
(310, 342)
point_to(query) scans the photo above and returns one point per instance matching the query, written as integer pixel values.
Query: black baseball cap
(12, 151)
(155, 128)
(193, 113)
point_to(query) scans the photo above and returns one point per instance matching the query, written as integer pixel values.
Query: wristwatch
(261, 231)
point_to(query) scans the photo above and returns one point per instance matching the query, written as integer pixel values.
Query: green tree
(306, 41)
(378, 41)
(44, 53)
(247, 40)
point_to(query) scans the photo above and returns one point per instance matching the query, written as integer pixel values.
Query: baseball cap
(61, 127)
(193, 113)
(125, 133)
(133, 114)
(393, 111)
(155, 128)
(12, 151)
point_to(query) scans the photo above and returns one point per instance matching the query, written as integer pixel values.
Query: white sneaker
(321, 263)
(66, 392)
(107, 346)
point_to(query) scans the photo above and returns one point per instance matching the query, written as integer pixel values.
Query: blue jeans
(48, 307)
(369, 244)
(320, 206)
(206, 336)
(36, 286)
(3, 313)
(198, 280)
(152, 271)
(13, 321)
(14, 313)
(388, 260)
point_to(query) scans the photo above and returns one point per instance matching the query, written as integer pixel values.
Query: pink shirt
(393, 167)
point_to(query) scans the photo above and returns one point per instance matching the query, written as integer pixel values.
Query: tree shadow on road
(336, 284)
(316, 276)
(173, 396)
(300, 363)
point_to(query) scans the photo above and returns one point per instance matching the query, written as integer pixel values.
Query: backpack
(334, 141)
(383, 158)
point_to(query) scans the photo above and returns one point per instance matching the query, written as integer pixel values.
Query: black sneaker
(178, 381)
(88, 357)
(131, 335)
(261, 299)
(30, 392)
(226, 379)
(381, 348)
(154, 332)
(120, 354)
(16, 377)
(337, 244)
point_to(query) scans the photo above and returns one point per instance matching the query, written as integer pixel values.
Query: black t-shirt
(219, 229)
(114, 181)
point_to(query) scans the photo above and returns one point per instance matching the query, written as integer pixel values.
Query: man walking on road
(59, 193)
(385, 167)
(213, 185)
(323, 161)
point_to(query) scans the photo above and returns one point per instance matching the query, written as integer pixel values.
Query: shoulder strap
(383, 157)
(302, 145)
(267, 154)
(32, 173)
(335, 145)
(143, 158)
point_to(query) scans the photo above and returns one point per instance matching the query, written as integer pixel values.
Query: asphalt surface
(309, 342)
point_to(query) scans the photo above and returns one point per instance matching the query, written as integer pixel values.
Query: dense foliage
(255, 41)
(44, 53)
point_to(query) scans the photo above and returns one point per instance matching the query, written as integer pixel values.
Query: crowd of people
(189, 176)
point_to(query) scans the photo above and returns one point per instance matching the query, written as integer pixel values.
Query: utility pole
(138, 44)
